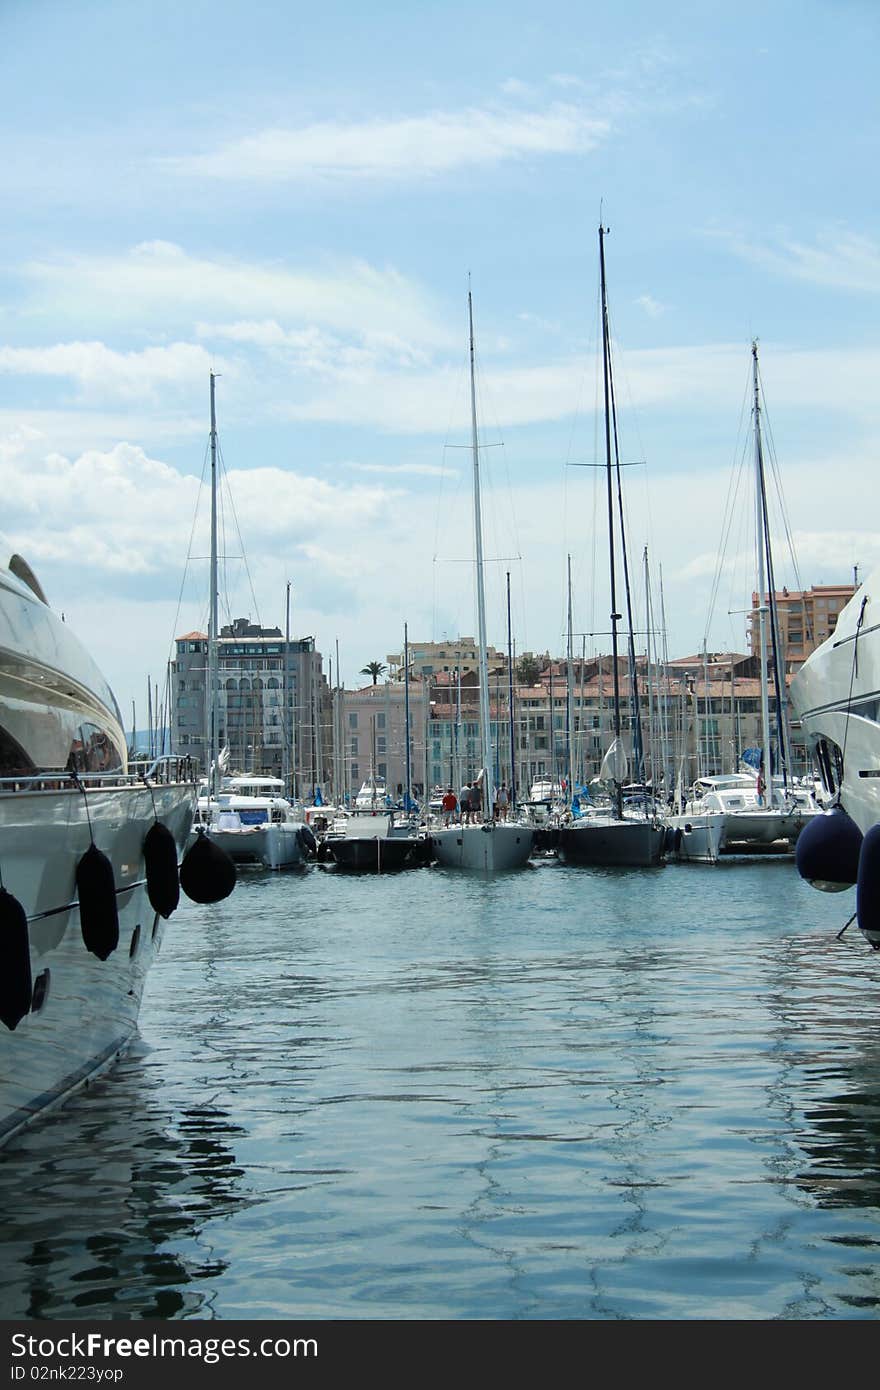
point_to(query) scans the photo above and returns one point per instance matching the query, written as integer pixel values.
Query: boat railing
(163, 771)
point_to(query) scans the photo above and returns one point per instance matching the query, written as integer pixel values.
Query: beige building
(806, 618)
(371, 736)
(435, 658)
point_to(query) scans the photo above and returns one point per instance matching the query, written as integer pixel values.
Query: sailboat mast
(760, 541)
(213, 634)
(407, 805)
(569, 694)
(510, 711)
(485, 731)
(615, 616)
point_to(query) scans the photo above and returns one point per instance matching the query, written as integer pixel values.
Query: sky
(298, 198)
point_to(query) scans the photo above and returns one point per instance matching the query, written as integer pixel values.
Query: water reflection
(108, 1204)
(562, 1095)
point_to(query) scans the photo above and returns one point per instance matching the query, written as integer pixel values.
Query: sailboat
(377, 839)
(743, 812)
(489, 845)
(248, 818)
(619, 836)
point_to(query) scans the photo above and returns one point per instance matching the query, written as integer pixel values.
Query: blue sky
(296, 195)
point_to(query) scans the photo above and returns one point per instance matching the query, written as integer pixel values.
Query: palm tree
(528, 669)
(374, 669)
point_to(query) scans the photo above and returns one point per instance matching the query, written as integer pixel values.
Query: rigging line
(190, 545)
(439, 508)
(734, 483)
(247, 570)
(492, 519)
(636, 717)
(783, 510)
(633, 416)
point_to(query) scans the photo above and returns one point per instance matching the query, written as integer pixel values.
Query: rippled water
(564, 1093)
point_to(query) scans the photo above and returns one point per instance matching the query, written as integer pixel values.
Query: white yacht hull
(272, 846)
(490, 848)
(744, 832)
(694, 839)
(85, 1010)
(836, 696)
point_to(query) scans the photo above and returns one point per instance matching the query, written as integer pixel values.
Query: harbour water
(561, 1094)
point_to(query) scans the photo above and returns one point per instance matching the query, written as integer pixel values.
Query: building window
(352, 721)
(380, 721)
(354, 748)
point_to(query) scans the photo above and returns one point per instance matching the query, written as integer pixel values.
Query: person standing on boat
(464, 801)
(502, 801)
(449, 806)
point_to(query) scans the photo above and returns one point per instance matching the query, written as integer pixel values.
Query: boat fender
(307, 840)
(827, 852)
(486, 828)
(98, 916)
(207, 874)
(160, 862)
(868, 888)
(15, 975)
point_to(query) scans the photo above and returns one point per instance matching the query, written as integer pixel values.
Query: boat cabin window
(830, 761)
(866, 709)
(14, 761)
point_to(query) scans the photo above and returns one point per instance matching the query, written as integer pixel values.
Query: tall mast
(407, 805)
(668, 755)
(783, 741)
(213, 634)
(337, 735)
(651, 673)
(760, 541)
(485, 730)
(285, 700)
(512, 725)
(615, 616)
(569, 695)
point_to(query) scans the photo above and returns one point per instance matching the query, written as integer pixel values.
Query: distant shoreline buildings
(280, 714)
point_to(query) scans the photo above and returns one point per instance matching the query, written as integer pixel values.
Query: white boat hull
(756, 830)
(694, 839)
(834, 695)
(491, 848)
(89, 1007)
(272, 846)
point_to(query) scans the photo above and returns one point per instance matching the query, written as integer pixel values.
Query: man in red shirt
(449, 805)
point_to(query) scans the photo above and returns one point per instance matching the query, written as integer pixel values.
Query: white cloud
(158, 283)
(710, 377)
(409, 146)
(652, 307)
(100, 372)
(841, 259)
(130, 515)
(315, 350)
(423, 470)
